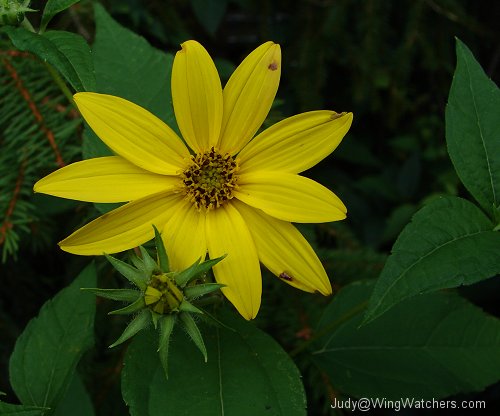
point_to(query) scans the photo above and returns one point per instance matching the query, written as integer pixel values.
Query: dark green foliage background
(389, 62)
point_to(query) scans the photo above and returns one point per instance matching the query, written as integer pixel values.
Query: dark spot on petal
(337, 115)
(285, 276)
(273, 66)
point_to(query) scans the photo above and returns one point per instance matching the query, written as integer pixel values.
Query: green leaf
(209, 13)
(77, 51)
(52, 8)
(48, 350)
(77, 401)
(473, 129)
(7, 409)
(430, 346)
(49, 52)
(247, 374)
(448, 243)
(126, 65)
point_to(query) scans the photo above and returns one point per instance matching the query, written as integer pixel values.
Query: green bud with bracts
(161, 297)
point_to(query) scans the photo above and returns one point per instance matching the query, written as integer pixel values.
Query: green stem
(329, 328)
(60, 83)
(27, 25)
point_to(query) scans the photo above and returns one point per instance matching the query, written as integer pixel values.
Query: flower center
(210, 179)
(162, 295)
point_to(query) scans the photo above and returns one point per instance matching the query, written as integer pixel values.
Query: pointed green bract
(140, 322)
(196, 269)
(473, 130)
(126, 295)
(132, 274)
(161, 252)
(194, 292)
(149, 263)
(186, 306)
(155, 317)
(133, 307)
(166, 327)
(193, 332)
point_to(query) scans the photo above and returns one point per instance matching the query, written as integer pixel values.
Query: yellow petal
(104, 179)
(284, 251)
(228, 234)
(184, 237)
(296, 143)
(133, 132)
(123, 228)
(197, 96)
(248, 96)
(289, 197)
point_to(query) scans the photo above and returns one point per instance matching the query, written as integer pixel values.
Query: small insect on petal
(285, 276)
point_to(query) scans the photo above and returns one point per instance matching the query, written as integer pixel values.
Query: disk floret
(210, 179)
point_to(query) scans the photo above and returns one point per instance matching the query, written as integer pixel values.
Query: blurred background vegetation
(389, 62)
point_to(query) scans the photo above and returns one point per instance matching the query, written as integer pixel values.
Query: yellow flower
(222, 193)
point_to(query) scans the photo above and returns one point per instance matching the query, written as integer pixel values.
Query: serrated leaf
(473, 130)
(125, 295)
(247, 374)
(48, 350)
(47, 51)
(77, 51)
(448, 243)
(8, 409)
(140, 321)
(52, 8)
(144, 72)
(430, 346)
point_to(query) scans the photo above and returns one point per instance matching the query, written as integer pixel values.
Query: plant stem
(27, 25)
(60, 83)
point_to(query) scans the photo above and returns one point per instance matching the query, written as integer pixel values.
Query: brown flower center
(210, 179)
